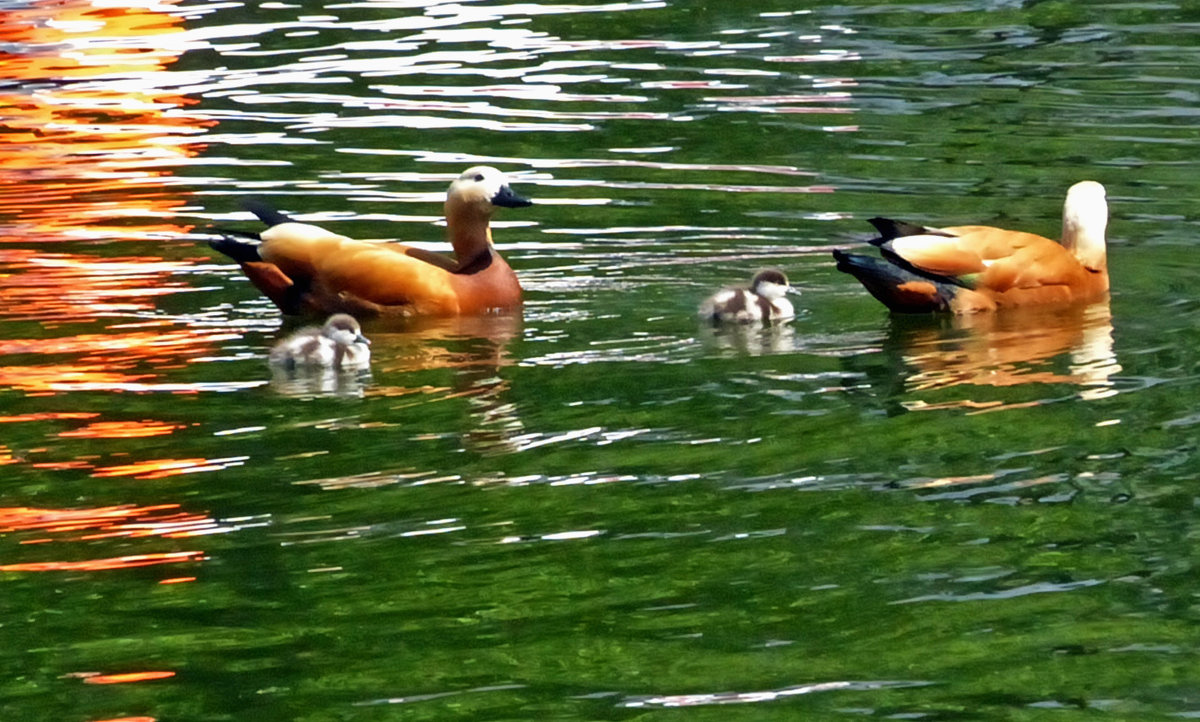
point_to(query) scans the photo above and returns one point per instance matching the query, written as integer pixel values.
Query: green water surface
(598, 508)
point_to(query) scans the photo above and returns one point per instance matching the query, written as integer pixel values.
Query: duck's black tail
(889, 229)
(900, 289)
(266, 213)
(240, 245)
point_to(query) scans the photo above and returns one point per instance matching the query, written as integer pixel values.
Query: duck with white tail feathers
(307, 270)
(338, 345)
(971, 269)
(763, 300)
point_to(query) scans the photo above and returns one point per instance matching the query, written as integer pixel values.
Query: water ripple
(1021, 591)
(721, 698)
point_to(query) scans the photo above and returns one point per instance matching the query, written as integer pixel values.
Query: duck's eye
(478, 177)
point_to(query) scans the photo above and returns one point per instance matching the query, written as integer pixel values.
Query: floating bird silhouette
(307, 270)
(969, 269)
(763, 300)
(339, 345)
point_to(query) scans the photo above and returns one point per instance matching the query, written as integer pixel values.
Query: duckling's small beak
(793, 291)
(362, 339)
(506, 198)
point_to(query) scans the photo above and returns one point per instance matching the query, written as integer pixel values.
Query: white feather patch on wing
(302, 232)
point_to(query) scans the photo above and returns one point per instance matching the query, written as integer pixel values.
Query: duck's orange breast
(492, 288)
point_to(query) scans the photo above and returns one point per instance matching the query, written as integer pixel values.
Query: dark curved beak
(362, 339)
(505, 198)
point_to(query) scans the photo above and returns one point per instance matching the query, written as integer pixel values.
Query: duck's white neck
(1085, 219)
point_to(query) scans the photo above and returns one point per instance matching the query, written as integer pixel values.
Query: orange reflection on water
(42, 528)
(165, 520)
(95, 565)
(102, 360)
(49, 378)
(93, 129)
(126, 677)
(122, 430)
(100, 345)
(1072, 346)
(177, 580)
(162, 468)
(448, 343)
(41, 286)
(87, 134)
(49, 416)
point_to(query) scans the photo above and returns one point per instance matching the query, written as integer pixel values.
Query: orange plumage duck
(971, 269)
(307, 270)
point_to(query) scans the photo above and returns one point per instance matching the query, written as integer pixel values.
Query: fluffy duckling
(339, 344)
(763, 300)
(969, 269)
(307, 270)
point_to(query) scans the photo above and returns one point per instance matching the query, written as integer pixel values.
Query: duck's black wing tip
(265, 212)
(238, 245)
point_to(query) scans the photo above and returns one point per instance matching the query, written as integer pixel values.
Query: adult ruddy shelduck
(339, 345)
(968, 269)
(308, 270)
(763, 300)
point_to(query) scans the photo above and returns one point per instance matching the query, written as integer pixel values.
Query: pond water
(597, 508)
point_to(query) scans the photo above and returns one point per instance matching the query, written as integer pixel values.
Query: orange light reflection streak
(124, 678)
(161, 468)
(49, 416)
(83, 118)
(121, 430)
(95, 565)
(93, 127)
(88, 525)
(163, 520)
(40, 286)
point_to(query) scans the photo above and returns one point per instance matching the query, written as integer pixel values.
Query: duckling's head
(344, 330)
(770, 283)
(480, 190)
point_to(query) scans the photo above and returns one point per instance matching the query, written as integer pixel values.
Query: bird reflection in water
(751, 339)
(1070, 346)
(320, 381)
(473, 349)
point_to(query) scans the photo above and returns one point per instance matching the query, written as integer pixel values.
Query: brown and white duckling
(339, 344)
(763, 300)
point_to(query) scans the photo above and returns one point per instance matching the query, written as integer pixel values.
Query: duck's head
(1085, 219)
(344, 330)
(770, 283)
(479, 191)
